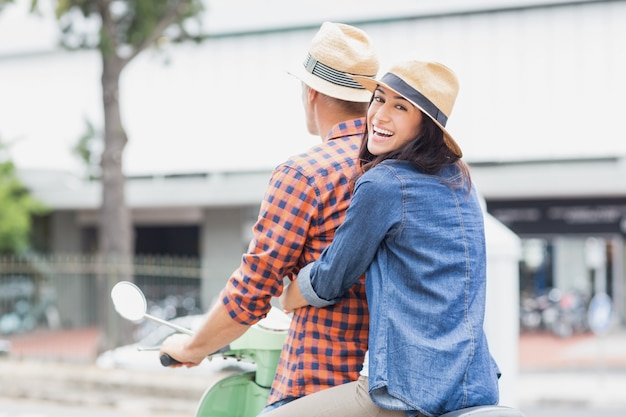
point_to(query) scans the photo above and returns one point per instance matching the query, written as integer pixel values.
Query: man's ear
(311, 94)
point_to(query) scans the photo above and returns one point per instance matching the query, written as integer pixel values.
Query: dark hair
(428, 152)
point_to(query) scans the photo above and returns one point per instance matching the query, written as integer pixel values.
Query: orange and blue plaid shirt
(305, 202)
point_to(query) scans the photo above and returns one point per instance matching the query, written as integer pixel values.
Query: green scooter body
(234, 396)
(245, 394)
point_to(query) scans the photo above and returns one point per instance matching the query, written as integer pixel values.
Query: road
(569, 411)
(32, 408)
(37, 408)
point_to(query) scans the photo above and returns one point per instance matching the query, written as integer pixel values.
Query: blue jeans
(275, 405)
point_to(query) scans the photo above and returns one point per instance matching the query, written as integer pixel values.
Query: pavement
(584, 370)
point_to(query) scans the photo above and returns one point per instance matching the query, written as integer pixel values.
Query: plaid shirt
(304, 204)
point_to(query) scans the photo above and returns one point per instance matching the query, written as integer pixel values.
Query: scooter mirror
(129, 301)
(131, 304)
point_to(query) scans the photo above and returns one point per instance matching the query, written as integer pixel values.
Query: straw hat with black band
(338, 52)
(430, 86)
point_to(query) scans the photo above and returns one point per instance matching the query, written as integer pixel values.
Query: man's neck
(326, 125)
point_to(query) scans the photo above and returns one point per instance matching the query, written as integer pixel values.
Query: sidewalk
(581, 352)
(72, 345)
(537, 351)
(584, 370)
(59, 367)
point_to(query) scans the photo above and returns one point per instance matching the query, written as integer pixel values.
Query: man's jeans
(275, 405)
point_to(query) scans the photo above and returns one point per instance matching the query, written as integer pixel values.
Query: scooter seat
(485, 411)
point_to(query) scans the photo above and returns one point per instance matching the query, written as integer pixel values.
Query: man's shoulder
(336, 152)
(349, 127)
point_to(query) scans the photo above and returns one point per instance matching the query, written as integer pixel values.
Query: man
(303, 205)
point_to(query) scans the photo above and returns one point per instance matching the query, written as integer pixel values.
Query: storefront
(575, 245)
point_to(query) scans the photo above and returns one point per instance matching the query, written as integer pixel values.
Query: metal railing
(59, 291)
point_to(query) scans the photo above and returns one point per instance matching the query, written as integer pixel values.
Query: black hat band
(415, 96)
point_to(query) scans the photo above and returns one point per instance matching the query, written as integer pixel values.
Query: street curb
(179, 391)
(170, 390)
(601, 388)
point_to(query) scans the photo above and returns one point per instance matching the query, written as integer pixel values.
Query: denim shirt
(421, 243)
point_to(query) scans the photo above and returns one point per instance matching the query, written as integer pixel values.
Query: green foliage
(3, 3)
(134, 24)
(17, 206)
(88, 149)
(33, 4)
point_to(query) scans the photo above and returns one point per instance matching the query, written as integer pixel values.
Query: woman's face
(392, 121)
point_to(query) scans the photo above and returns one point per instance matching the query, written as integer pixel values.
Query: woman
(415, 227)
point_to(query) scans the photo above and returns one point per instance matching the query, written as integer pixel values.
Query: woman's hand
(291, 298)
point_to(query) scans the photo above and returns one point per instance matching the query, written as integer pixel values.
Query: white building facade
(538, 118)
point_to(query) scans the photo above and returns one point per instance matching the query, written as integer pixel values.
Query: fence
(60, 291)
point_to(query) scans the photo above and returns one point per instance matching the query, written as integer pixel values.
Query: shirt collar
(347, 128)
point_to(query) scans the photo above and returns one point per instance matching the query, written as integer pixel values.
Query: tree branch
(170, 17)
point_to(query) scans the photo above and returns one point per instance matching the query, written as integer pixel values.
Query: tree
(3, 3)
(126, 28)
(17, 206)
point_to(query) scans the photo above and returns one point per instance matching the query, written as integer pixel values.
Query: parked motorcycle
(245, 394)
(25, 305)
(562, 313)
(572, 314)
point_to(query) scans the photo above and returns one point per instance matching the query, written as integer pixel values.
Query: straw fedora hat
(337, 52)
(430, 86)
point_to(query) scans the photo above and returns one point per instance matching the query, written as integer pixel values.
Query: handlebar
(167, 360)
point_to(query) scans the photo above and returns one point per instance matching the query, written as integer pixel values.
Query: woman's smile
(378, 131)
(393, 121)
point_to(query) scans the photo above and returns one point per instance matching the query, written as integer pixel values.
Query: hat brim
(371, 85)
(330, 89)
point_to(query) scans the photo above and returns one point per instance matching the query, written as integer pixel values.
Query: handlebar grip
(167, 360)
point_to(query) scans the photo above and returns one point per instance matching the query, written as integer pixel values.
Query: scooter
(245, 394)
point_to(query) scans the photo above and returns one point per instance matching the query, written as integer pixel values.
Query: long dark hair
(428, 152)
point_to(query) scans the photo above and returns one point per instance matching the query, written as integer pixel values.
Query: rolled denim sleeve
(307, 290)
